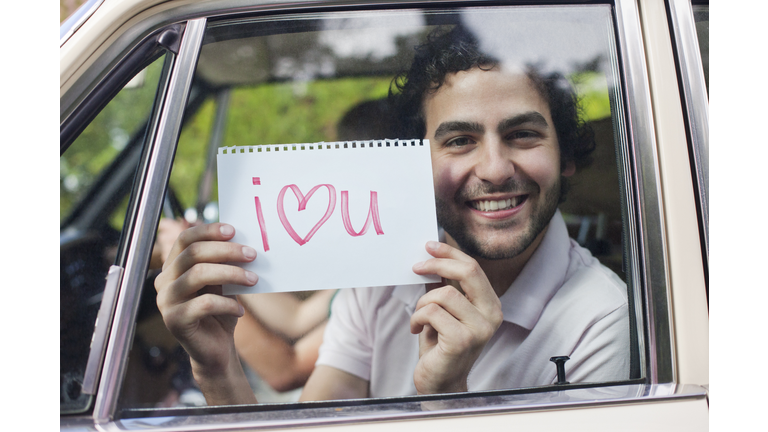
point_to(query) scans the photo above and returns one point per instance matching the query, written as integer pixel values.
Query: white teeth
(496, 205)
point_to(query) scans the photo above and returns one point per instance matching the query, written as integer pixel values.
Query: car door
(298, 69)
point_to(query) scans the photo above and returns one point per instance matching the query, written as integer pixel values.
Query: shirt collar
(409, 295)
(537, 283)
(542, 276)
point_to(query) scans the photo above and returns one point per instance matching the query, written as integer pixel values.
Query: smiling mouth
(497, 205)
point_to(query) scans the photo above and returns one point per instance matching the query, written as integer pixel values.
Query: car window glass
(701, 18)
(96, 174)
(326, 77)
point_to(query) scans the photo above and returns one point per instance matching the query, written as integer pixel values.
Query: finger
(208, 232)
(454, 337)
(451, 263)
(212, 305)
(187, 314)
(205, 274)
(438, 318)
(454, 302)
(443, 250)
(201, 276)
(455, 262)
(448, 269)
(209, 252)
(470, 276)
(204, 251)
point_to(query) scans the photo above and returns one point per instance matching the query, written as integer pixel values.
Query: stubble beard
(456, 227)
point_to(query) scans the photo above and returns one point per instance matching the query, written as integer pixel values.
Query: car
(150, 90)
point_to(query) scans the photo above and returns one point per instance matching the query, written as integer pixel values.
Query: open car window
(97, 172)
(326, 77)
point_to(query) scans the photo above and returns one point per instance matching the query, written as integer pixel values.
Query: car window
(327, 77)
(701, 18)
(96, 174)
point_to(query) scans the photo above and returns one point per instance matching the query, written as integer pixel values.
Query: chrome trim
(73, 23)
(101, 329)
(696, 99)
(324, 414)
(651, 227)
(632, 248)
(205, 186)
(147, 215)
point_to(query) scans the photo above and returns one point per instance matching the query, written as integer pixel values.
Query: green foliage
(302, 112)
(282, 113)
(592, 89)
(296, 112)
(191, 154)
(104, 138)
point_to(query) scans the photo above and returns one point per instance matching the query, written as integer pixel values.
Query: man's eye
(459, 142)
(523, 134)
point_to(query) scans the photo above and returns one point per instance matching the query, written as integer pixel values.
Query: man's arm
(285, 314)
(282, 365)
(329, 383)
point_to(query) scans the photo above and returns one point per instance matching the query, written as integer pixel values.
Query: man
(518, 291)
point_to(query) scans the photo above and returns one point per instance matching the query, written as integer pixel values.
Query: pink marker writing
(373, 215)
(372, 218)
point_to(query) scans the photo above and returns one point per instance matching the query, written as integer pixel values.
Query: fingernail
(242, 310)
(252, 278)
(249, 252)
(226, 230)
(418, 265)
(433, 245)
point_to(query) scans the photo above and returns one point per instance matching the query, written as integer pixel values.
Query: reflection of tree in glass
(105, 137)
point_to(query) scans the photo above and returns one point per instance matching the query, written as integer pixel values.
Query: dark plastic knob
(559, 361)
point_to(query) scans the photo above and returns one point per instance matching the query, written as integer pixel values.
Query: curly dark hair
(456, 50)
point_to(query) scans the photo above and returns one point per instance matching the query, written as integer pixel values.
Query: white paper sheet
(341, 186)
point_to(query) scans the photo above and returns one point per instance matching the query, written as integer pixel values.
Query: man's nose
(494, 164)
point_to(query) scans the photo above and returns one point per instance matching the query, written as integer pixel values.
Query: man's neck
(502, 273)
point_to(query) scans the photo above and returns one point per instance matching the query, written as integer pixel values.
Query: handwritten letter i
(260, 216)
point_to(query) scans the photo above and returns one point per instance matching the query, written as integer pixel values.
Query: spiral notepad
(329, 215)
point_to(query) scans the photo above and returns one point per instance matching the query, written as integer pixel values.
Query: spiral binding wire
(268, 148)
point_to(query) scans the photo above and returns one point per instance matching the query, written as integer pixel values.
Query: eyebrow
(458, 126)
(531, 117)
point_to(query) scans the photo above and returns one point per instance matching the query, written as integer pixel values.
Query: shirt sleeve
(347, 342)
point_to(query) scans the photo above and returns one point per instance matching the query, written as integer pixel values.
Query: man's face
(495, 161)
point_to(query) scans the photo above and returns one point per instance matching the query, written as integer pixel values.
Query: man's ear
(569, 169)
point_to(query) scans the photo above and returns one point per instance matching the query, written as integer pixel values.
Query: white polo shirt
(564, 302)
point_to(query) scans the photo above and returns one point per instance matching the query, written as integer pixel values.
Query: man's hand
(453, 327)
(189, 298)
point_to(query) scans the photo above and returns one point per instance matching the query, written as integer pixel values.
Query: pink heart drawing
(302, 205)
